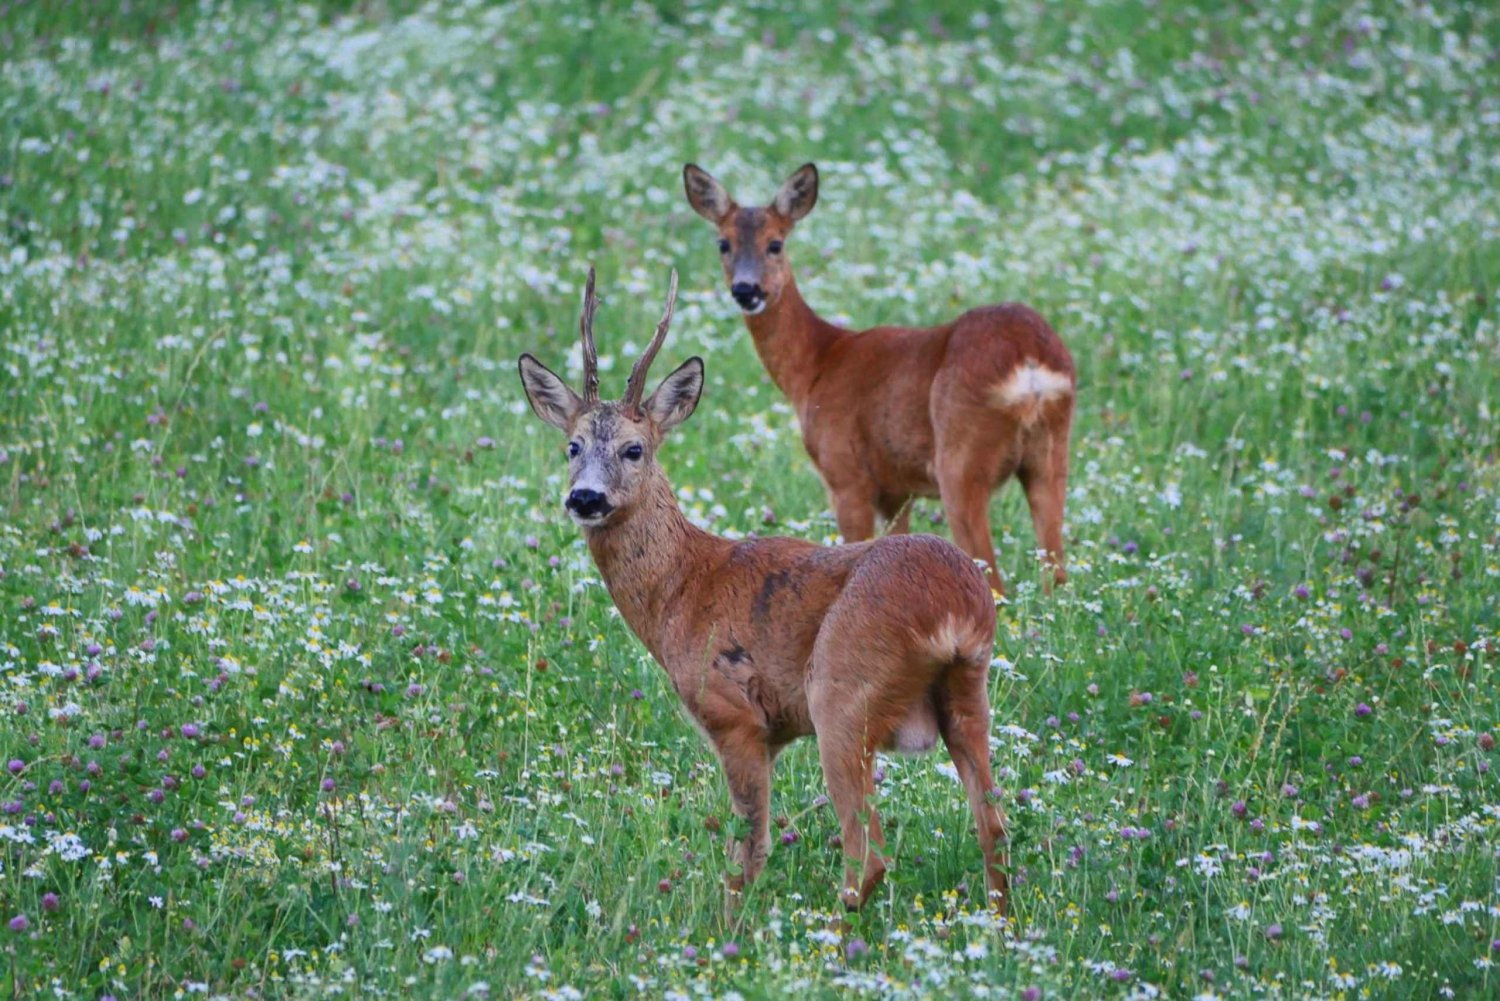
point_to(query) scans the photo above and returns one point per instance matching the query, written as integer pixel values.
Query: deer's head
(752, 241)
(612, 444)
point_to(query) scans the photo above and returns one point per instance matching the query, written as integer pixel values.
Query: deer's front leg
(854, 507)
(747, 768)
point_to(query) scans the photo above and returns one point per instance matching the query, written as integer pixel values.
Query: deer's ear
(677, 397)
(799, 194)
(706, 195)
(549, 396)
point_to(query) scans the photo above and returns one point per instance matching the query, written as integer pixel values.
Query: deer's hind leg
(848, 767)
(1044, 475)
(970, 466)
(866, 680)
(963, 712)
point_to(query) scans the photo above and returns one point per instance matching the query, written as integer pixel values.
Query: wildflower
(856, 949)
(20, 923)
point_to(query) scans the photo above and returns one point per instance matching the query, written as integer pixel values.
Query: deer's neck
(648, 559)
(791, 340)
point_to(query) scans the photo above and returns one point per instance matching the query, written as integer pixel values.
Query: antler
(586, 334)
(636, 387)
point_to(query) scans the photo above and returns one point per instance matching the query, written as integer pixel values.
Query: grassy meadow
(308, 688)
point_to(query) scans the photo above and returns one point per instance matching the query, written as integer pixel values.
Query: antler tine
(636, 388)
(586, 334)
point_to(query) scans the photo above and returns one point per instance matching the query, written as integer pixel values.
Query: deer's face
(610, 454)
(611, 446)
(752, 241)
(752, 252)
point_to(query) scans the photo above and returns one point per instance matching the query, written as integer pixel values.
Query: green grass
(266, 473)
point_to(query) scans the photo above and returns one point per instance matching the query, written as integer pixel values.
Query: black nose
(587, 503)
(746, 294)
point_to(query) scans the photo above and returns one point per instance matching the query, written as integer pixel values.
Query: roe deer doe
(879, 645)
(893, 413)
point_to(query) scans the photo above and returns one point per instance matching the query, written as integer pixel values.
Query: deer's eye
(632, 452)
(723, 246)
(574, 449)
(774, 247)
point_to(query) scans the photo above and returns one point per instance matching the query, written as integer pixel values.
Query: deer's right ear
(550, 397)
(677, 397)
(706, 195)
(799, 194)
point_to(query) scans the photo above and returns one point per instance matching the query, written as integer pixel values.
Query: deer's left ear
(677, 397)
(799, 194)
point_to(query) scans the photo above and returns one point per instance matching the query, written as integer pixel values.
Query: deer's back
(756, 617)
(871, 412)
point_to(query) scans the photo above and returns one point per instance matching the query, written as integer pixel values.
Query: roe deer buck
(893, 413)
(883, 644)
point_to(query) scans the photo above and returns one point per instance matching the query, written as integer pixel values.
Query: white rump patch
(1031, 385)
(959, 640)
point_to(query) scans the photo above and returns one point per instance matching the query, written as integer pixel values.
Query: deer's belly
(917, 733)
